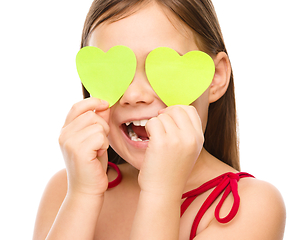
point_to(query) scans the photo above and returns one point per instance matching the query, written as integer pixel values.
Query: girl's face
(150, 27)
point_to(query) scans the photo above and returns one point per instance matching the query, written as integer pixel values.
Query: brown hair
(221, 138)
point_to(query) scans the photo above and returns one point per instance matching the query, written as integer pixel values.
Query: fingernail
(104, 102)
(161, 111)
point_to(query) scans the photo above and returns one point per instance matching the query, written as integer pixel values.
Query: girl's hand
(83, 141)
(175, 141)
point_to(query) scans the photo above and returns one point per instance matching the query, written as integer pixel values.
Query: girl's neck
(206, 168)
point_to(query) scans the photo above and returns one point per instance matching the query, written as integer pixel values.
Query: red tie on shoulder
(226, 183)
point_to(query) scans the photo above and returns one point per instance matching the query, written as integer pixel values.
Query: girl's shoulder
(56, 191)
(50, 203)
(260, 209)
(261, 197)
(261, 214)
(262, 201)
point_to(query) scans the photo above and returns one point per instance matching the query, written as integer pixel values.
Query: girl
(183, 180)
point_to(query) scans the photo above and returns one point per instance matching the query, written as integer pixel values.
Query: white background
(39, 84)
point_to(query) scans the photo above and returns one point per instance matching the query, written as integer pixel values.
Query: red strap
(228, 183)
(118, 179)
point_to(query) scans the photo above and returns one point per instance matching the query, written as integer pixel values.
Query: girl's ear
(221, 78)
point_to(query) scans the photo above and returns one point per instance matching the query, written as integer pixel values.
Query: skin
(76, 203)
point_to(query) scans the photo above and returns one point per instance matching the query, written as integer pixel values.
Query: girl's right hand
(83, 141)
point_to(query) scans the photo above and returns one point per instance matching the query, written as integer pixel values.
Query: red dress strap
(226, 183)
(118, 179)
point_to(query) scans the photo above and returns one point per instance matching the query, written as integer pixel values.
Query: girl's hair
(221, 139)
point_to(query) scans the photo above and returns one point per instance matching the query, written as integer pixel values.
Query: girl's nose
(139, 91)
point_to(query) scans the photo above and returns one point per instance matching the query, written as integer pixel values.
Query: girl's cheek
(202, 105)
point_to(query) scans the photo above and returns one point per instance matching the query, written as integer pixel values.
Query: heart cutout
(106, 75)
(179, 79)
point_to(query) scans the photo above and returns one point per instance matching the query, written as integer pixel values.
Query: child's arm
(175, 142)
(73, 199)
(74, 217)
(157, 218)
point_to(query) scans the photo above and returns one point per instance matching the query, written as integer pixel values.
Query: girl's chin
(136, 160)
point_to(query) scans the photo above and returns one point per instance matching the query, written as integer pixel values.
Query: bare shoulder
(261, 214)
(261, 193)
(259, 190)
(262, 199)
(263, 206)
(51, 201)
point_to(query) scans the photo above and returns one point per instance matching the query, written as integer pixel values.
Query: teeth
(131, 132)
(136, 139)
(137, 123)
(134, 136)
(141, 123)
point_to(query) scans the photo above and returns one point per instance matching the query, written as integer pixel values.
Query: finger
(91, 144)
(85, 144)
(195, 118)
(103, 158)
(96, 142)
(89, 104)
(154, 128)
(179, 116)
(168, 123)
(74, 141)
(104, 114)
(88, 132)
(190, 111)
(83, 121)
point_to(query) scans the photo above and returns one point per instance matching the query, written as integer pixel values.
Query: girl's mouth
(136, 131)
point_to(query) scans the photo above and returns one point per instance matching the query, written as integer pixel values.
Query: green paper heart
(179, 79)
(106, 75)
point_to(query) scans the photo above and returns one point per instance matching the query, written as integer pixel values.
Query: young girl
(182, 181)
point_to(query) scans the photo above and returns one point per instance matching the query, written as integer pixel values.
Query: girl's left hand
(175, 142)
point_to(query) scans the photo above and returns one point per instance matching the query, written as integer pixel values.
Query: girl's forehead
(151, 26)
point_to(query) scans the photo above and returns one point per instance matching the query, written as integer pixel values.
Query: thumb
(103, 114)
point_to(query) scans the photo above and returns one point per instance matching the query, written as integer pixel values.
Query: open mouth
(136, 131)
